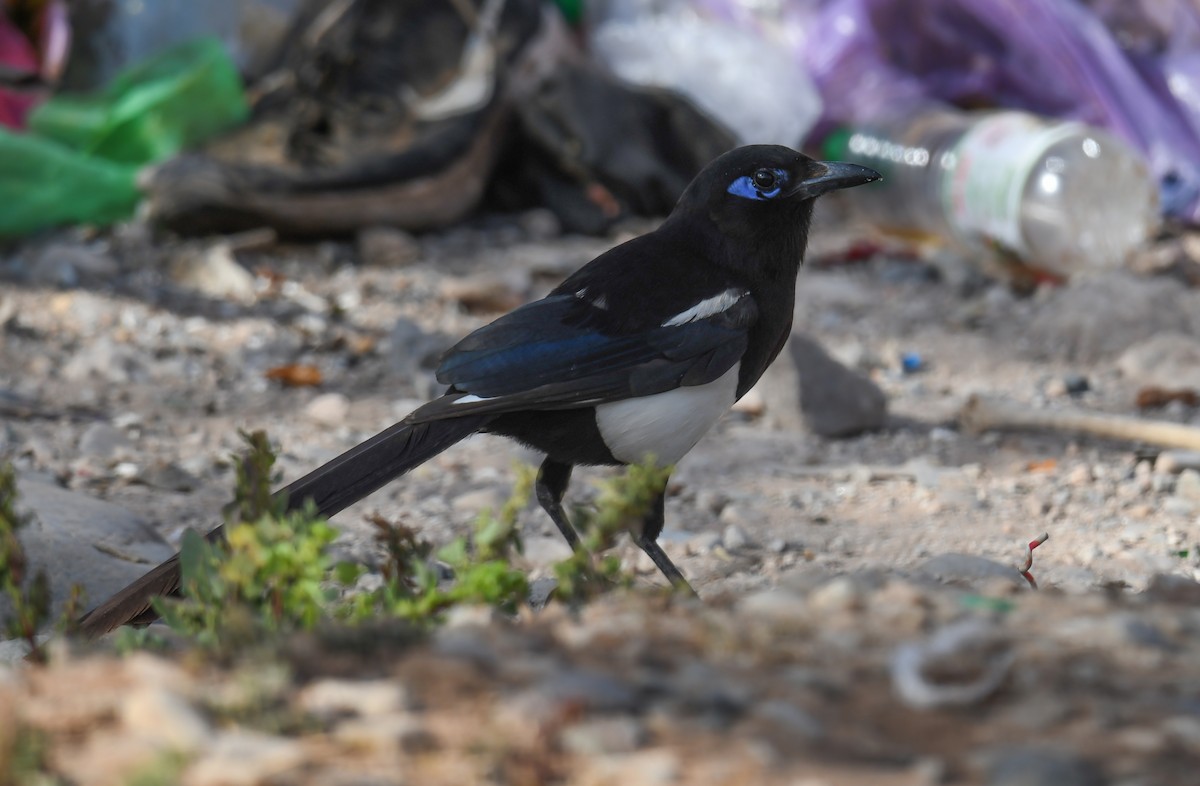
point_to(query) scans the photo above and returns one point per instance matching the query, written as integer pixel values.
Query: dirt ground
(130, 361)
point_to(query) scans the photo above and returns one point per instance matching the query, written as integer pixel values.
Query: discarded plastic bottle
(1062, 197)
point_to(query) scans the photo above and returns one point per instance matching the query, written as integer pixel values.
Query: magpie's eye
(765, 179)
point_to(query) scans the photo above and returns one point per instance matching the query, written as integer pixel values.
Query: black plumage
(637, 353)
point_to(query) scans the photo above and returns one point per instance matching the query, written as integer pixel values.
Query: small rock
(603, 736)
(657, 767)
(365, 698)
(704, 542)
(78, 539)
(486, 292)
(472, 503)
(103, 441)
(385, 734)
(216, 273)
(244, 758)
(1168, 360)
(734, 538)
(836, 401)
(328, 409)
(838, 596)
(387, 247)
(776, 606)
(1041, 767)
(165, 717)
(1188, 485)
(545, 550)
(1176, 461)
(67, 265)
(969, 569)
(789, 719)
(593, 691)
(1080, 475)
(540, 224)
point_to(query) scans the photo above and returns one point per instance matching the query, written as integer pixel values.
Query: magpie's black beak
(835, 175)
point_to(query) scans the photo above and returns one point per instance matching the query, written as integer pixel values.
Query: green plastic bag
(79, 162)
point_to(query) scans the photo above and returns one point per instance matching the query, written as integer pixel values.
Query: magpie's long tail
(332, 487)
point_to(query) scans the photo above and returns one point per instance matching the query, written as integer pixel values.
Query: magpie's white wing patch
(707, 308)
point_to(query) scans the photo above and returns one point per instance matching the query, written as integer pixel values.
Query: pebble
(704, 542)
(838, 596)
(1176, 461)
(103, 441)
(387, 247)
(735, 538)
(166, 718)
(790, 719)
(777, 606)
(836, 401)
(1188, 485)
(657, 767)
(1041, 767)
(473, 503)
(591, 690)
(244, 758)
(328, 409)
(486, 293)
(364, 698)
(385, 733)
(969, 569)
(545, 550)
(603, 736)
(216, 273)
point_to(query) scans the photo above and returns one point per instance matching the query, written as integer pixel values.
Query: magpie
(633, 357)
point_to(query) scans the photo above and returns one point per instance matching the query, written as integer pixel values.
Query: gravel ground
(128, 362)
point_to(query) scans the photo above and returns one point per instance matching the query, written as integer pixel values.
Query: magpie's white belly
(665, 425)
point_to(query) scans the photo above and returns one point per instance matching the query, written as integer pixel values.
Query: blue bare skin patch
(745, 188)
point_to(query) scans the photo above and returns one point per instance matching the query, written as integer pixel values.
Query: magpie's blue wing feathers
(550, 354)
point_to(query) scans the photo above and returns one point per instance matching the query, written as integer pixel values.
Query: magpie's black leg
(551, 485)
(652, 526)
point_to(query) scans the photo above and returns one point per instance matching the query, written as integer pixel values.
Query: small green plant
(28, 595)
(268, 575)
(623, 502)
(482, 571)
(25, 762)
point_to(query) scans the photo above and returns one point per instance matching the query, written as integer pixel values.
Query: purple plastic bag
(1052, 57)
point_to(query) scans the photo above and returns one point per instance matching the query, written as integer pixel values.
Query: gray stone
(1041, 767)
(387, 247)
(328, 409)
(77, 539)
(1169, 360)
(157, 714)
(215, 272)
(835, 400)
(243, 758)
(790, 719)
(68, 265)
(1188, 485)
(1103, 315)
(969, 569)
(735, 538)
(103, 441)
(593, 691)
(1176, 461)
(604, 735)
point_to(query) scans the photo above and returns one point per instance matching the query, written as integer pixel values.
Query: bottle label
(983, 185)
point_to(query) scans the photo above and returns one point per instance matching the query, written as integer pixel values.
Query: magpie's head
(764, 193)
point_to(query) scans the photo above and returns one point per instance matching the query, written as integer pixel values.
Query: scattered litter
(1025, 567)
(959, 665)
(296, 375)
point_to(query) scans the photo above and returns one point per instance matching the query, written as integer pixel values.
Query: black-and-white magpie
(636, 355)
